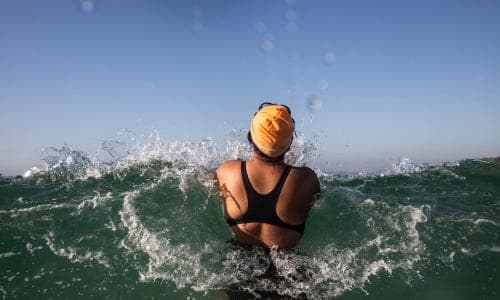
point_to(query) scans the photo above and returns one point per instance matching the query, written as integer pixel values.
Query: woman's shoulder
(228, 166)
(307, 176)
(304, 171)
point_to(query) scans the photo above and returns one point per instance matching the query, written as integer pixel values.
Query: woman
(266, 202)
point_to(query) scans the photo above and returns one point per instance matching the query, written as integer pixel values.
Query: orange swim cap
(272, 130)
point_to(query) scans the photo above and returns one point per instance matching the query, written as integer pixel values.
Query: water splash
(260, 27)
(87, 6)
(185, 158)
(321, 271)
(323, 84)
(197, 11)
(291, 15)
(136, 216)
(176, 177)
(266, 45)
(404, 166)
(329, 58)
(197, 26)
(313, 103)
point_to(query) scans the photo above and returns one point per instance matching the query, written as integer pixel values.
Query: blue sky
(419, 79)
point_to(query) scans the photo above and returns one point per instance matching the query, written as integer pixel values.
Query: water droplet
(291, 2)
(291, 15)
(260, 27)
(292, 27)
(313, 103)
(197, 26)
(329, 58)
(197, 11)
(267, 45)
(87, 6)
(323, 84)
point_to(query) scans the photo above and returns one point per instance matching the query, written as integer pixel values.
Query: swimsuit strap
(262, 207)
(252, 193)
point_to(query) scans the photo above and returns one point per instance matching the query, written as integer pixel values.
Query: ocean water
(143, 220)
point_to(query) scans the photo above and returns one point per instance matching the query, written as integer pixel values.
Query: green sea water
(148, 224)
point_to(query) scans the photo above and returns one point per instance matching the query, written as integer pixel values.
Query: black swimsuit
(262, 208)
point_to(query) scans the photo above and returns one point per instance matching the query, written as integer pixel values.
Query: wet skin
(296, 198)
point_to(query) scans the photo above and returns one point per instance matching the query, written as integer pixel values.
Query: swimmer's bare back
(298, 191)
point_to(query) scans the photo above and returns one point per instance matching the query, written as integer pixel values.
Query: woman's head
(271, 130)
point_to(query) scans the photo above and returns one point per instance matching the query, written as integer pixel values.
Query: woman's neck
(267, 161)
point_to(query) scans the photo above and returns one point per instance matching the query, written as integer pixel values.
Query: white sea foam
(110, 225)
(369, 202)
(31, 249)
(486, 221)
(93, 202)
(40, 207)
(480, 249)
(325, 273)
(178, 264)
(74, 254)
(9, 254)
(478, 221)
